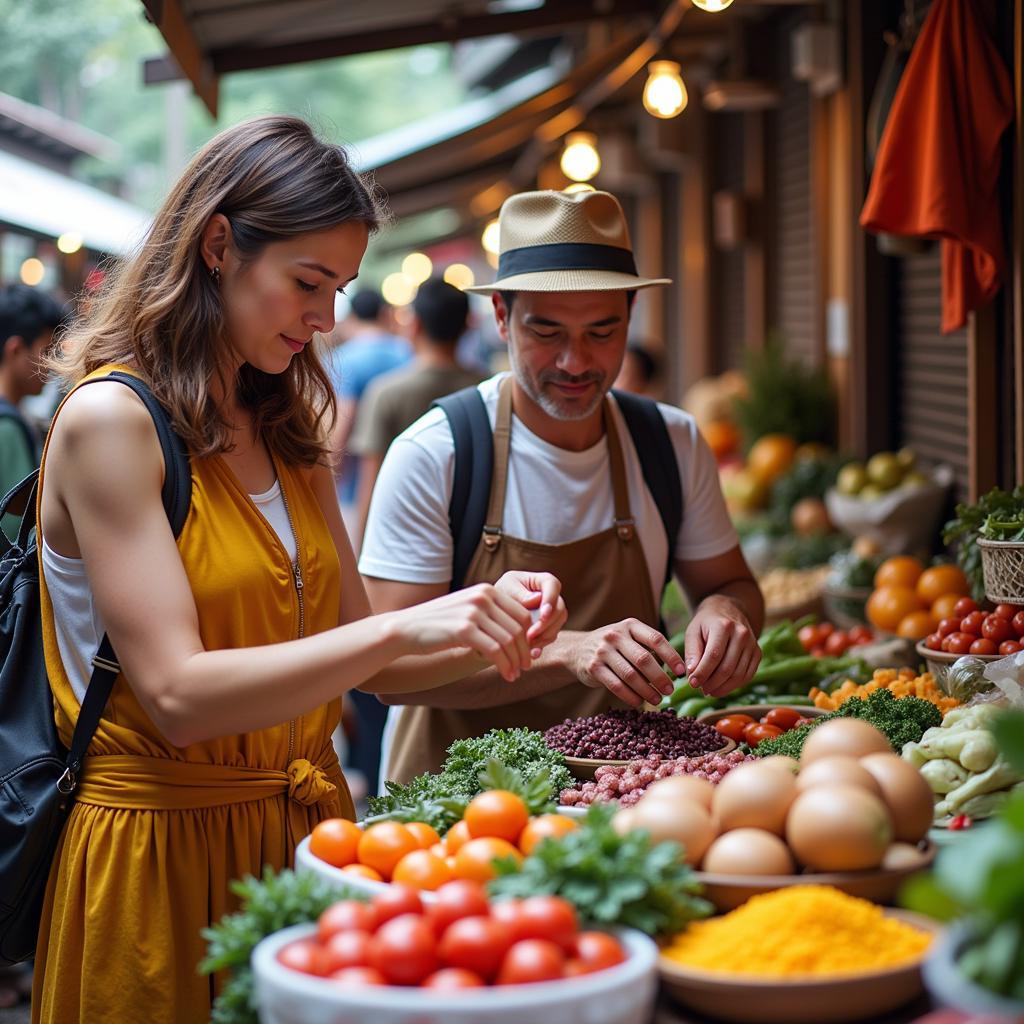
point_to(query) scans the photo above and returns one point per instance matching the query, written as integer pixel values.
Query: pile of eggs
(849, 804)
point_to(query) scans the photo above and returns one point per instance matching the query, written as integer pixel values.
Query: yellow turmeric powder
(802, 930)
(904, 682)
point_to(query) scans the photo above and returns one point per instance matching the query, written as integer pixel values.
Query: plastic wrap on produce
(1008, 675)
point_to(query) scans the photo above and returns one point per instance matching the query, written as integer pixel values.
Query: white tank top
(75, 616)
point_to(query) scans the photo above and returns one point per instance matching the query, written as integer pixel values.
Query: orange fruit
(456, 837)
(723, 437)
(770, 456)
(942, 608)
(335, 841)
(423, 834)
(363, 872)
(544, 826)
(939, 580)
(475, 860)
(383, 845)
(496, 813)
(888, 606)
(422, 869)
(898, 571)
(917, 625)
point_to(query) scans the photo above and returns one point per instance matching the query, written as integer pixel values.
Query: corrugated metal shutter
(728, 266)
(791, 199)
(931, 370)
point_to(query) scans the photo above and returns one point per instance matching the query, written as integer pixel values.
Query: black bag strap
(471, 485)
(658, 463)
(177, 497)
(28, 517)
(9, 411)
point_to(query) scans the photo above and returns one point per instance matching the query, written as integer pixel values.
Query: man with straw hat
(542, 469)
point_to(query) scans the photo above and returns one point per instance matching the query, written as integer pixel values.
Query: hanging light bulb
(69, 242)
(665, 93)
(491, 237)
(398, 289)
(713, 6)
(32, 271)
(459, 276)
(580, 159)
(417, 266)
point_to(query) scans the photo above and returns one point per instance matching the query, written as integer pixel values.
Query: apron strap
(625, 525)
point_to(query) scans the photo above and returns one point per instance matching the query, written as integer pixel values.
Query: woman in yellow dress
(235, 641)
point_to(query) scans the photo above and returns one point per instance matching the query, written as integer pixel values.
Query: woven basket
(1002, 563)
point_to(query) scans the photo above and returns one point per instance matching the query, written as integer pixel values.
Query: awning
(48, 203)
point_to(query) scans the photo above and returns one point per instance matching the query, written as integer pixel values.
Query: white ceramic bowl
(619, 995)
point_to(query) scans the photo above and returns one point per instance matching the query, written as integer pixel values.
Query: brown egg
(681, 789)
(748, 851)
(846, 737)
(789, 764)
(686, 823)
(901, 856)
(906, 793)
(753, 796)
(838, 828)
(838, 771)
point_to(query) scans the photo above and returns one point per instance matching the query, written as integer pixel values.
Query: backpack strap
(658, 463)
(177, 498)
(471, 485)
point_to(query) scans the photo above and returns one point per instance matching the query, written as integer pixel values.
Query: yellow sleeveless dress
(157, 833)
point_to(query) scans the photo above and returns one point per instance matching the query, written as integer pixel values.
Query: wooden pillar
(755, 261)
(982, 406)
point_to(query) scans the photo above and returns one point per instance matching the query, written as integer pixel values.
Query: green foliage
(998, 515)
(784, 397)
(611, 879)
(438, 799)
(279, 901)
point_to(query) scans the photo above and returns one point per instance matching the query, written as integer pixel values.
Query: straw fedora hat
(565, 242)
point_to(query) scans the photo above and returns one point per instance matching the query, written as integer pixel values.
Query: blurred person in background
(640, 373)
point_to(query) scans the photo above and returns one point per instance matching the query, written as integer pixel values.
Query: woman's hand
(540, 592)
(483, 617)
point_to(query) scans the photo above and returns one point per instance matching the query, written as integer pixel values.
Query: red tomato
(1010, 647)
(455, 900)
(964, 606)
(477, 944)
(732, 726)
(529, 961)
(396, 900)
(934, 642)
(782, 718)
(305, 955)
(817, 652)
(958, 643)
(825, 630)
(837, 644)
(509, 913)
(1006, 611)
(947, 626)
(548, 917)
(1018, 623)
(759, 731)
(808, 636)
(449, 979)
(972, 623)
(358, 977)
(348, 949)
(346, 916)
(598, 950)
(404, 950)
(997, 628)
(983, 646)
(861, 635)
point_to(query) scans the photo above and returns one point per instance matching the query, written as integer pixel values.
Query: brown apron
(604, 578)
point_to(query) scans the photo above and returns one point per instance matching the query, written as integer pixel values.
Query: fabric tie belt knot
(308, 784)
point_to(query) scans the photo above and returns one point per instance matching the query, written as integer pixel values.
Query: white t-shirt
(554, 496)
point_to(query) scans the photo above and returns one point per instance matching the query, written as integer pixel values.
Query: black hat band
(531, 259)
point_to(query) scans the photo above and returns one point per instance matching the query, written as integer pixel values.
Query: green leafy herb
(279, 901)
(997, 515)
(611, 879)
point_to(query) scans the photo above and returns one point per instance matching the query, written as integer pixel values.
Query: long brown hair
(160, 312)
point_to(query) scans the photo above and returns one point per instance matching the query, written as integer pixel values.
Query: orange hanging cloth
(937, 171)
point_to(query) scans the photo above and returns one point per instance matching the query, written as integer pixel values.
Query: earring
(215, 275)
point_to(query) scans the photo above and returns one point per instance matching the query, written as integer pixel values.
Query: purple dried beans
(620, 735)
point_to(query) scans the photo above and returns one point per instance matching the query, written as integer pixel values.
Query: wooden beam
(169, 18)
(449, 28)
(982, 406)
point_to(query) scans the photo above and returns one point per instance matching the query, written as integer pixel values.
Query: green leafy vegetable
(279, 901)
(611, 879)
(998, 515)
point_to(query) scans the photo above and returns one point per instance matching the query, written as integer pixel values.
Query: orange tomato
(363, 872)
(888, 606)
(422, 870)
(423, 834)
(383, 845)
(939, 580)
(898, 571)
(475, 860)
(916, 625)
(456, 837)
(943, 607)
(496, 813)
(335, 841)
(542, 827)
(770, 456)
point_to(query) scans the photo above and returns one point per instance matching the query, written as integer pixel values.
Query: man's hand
(626, 658)
(538, 592)
(721, 648)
